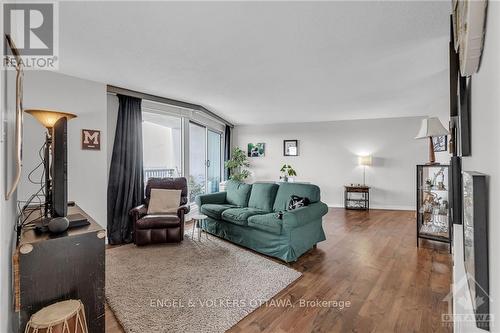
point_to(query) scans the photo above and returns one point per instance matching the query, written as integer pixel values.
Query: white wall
(7, 208)
(485, 121)
(328, 156)
(87, 169)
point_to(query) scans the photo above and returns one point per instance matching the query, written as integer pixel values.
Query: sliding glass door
(197, 160)
(176, 146)
(213, 161)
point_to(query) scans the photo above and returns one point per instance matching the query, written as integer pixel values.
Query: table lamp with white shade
(431, 127)
(364, 161)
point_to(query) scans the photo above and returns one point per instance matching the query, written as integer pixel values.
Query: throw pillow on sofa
(164, 201)
(297, 202)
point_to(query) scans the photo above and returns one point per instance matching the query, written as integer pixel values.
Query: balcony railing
(158, 173)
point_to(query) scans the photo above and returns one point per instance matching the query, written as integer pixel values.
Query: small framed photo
(91, 139)
(291, 147)
(256, 149)
(440, 143)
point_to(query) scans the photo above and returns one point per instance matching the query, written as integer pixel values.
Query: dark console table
(48, 269)
(357, 197)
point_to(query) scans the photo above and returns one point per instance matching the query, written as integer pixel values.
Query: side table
(357, 197)
(197, 224)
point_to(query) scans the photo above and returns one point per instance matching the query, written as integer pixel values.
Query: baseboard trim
(384, 207)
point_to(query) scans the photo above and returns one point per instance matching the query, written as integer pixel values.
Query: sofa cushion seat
(240, 215)
(267, 222)
(160, 221)
(215, 210)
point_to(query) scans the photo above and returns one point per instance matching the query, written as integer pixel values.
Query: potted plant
(288, 172)
(195, 188)
(237, 165)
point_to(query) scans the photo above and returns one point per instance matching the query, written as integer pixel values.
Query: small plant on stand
(287, 172)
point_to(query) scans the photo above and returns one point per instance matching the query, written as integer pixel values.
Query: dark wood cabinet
(49, 268)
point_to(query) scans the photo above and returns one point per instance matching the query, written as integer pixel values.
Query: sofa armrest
(212, 198)
(138, 212)
(301, 216)
(183, 210)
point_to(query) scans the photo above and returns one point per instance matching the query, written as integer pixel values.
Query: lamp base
(432, 156)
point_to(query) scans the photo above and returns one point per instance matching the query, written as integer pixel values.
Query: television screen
(59, 169)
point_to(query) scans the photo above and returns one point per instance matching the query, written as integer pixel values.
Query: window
(162, 145)
(180, 143)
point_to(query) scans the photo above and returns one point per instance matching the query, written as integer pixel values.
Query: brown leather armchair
(164, 228)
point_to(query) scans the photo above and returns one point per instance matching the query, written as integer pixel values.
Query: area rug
(205, 286)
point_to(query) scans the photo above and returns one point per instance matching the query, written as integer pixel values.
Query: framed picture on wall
(475, 240)
(91, 139)
(440, 143)
(256, 149)
(290, 147)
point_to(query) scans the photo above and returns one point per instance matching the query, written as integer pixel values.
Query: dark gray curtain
(227, 149)
(125, 186)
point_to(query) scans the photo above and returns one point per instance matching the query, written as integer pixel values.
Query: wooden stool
(61, 317)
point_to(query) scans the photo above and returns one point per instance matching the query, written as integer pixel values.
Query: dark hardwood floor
(371, 260)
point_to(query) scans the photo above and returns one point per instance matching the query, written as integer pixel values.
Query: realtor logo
(465, 312)
(33, 29)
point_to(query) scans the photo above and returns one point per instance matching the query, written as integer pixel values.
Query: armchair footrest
(154, 236)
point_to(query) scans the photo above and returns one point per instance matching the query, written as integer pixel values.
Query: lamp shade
(48, 117)
(431, 127)
(365, 160)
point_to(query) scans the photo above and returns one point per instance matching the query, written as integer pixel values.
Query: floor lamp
(48, 118)
(364, 161)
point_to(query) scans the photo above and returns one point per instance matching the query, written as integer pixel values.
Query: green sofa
(247, 215)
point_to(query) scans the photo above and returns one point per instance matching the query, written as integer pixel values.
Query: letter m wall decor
(91, 139)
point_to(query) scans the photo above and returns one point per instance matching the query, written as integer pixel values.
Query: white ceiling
(257, 62)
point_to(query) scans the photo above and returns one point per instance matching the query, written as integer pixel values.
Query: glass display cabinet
(433, 208)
